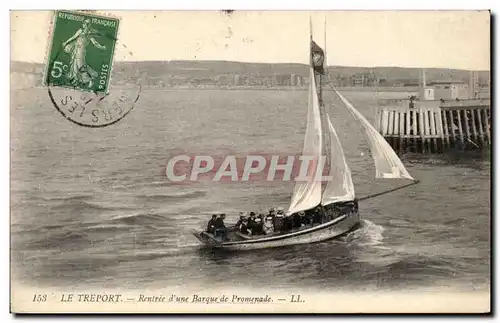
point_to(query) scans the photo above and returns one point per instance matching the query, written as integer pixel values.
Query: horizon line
(277, 63)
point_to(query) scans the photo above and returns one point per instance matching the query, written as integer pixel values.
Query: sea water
(93, 207)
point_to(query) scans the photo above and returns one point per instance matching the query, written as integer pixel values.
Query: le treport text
(142, 298)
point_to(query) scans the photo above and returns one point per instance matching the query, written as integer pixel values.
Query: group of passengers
(276, 221)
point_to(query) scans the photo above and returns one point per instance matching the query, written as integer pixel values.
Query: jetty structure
(443, 116)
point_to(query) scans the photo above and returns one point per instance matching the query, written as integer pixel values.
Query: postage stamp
(81, 51)
(79, 69)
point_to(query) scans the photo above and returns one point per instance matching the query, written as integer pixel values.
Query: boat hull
(329, 230)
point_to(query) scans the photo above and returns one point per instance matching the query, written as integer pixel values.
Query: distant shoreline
(286, 88)
(255, 88)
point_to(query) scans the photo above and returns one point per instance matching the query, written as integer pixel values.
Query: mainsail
(339, 188)
(387, 163)
(307, 194)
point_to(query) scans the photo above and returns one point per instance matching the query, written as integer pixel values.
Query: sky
(445, 39)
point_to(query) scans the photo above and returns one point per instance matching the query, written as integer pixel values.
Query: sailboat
(335, 200)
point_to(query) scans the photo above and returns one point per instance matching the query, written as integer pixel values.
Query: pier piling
(480, 127)
(434, 126)
(474, 130)
(444, 118)
(487, 124)
(460, 128)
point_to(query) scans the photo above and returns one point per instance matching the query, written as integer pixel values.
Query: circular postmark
(94, 110)
(79, 71)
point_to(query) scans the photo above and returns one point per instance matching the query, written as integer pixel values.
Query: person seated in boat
(272, 212)
(317, 215)
(211, 224)
(278, 221)
(303, 219)
(331, 212)
(258, 227)
(346, 207)
(251, 221)
(243, 228)
(308, 217)
(268, 226)
(220, 227)
(260, 220)
(288, 222)
(297, 220)
(324, 215)
(240, 221)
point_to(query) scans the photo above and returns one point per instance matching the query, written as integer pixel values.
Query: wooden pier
(435, 126)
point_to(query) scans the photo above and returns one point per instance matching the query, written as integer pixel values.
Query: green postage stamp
(81, 51)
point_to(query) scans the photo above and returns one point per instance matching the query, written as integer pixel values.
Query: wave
(140, 219)
(156, 254)
(460, 221)
(419, 264)
(68, 198)
(105, 228)
(409, 270)
(369, 234)
(59, 241)
(78, 205)
(159, 196)
(164, 183)
(462, 188)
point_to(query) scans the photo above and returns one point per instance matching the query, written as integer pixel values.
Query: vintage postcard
(250, 161)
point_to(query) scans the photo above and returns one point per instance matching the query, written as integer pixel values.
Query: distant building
(449, 90)
(299, 80)
(283, 79)
(426, 93)
(358, 80)
(342, 80)
(224, 80)
(364, 79)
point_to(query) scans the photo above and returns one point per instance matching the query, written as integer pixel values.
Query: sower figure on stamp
(79, 70)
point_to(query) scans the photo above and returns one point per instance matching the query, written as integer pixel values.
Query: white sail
(339, 187)
(307, 194)
(387, 163)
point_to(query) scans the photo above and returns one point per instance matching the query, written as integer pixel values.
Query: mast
(325, 126)
(317, 76)
(319, 90)
(340, 187)
(311, 61)
(325, 64)
(320, 84)
(307, 194)
(325, 42)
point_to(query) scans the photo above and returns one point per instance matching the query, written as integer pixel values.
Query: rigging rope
(388, 191)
